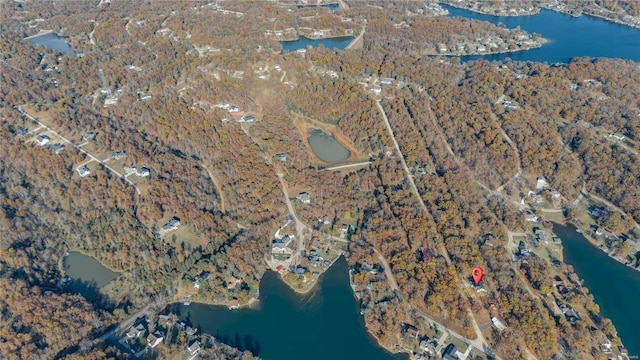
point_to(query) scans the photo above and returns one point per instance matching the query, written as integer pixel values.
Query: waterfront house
(234, 304)
(604, 233)
(365, 267)
(410, 329)
(154, 339)
(89, 135)
(481, 48)
(280, 268)
(43, 140)
(135, 331)
(304, 198)
(194, 348)
(83, 171)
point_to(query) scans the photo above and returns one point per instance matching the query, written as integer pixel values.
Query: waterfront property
(327, 315)
(617, 299)
(337, 43)
(568, 36)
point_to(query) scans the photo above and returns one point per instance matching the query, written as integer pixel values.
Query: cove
(326, 147)
(615, 287)
(323, 324)
(54, 42)
(568, 36)
(339, 43)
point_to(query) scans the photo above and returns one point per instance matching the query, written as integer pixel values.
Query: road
(347, 166)
(299, 225)
(77, 147)
(355, 41)
(217, 186)
(125, 324)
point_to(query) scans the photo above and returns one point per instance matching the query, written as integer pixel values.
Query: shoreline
(535, 11)
(252, 303)
(542, 42)
(69, 250)
(40, 33)
(321, 37)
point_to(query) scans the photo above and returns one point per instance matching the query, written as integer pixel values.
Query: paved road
(299, 225)
(347, 166)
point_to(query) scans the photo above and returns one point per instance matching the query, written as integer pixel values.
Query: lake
(326, 147)
(335, 43)
(615, 287)
(324, 324)
(568, 36)
(54, 42)
(86, 272)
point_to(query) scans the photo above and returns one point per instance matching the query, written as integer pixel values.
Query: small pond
(54, 42)
(335, 43)
(327, 148)
(86, 272)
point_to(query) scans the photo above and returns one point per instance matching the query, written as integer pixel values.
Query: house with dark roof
(172, 224)
(154, 339)
(304, 198)
(89, 135)
(83, 171)
(56, 148)
(194, 348)
(143, 171)
(43, 140)
(119, 155)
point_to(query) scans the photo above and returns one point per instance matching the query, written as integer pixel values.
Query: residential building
(172, 224)
(43, 140)
(617, 136)
(498, 324)
(233, 109)
(234, 304)
(57, 148)
(143, 171)
(247, 118)
(119, 155)
(194, 348)
(282, 157)
(541, 183)
(154, 339)
(428, 347)
(449, 353)
(144, 97)
(530, 217)
(232, 282)
(376, 89)
(304, 198)
(410, 329)
(135, 331)
(83, 171)
(481, 48)
(89, 135)
(280, 268)
(604, 233)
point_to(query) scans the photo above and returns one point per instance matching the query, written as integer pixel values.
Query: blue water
(336, 43)
(53, 41)
(568, 36)
(615, 287)
(332, 7)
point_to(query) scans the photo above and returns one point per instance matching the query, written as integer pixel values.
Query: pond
(87, 273)
(332, 7)
(326, 147)
(568, 36)
(323, 324)
(54, 42)
(614, 286)
(335, 43)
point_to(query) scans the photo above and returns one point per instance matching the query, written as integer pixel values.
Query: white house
(154, 339)
(83, 171)
(530, 217)
(541, 183)
(143, 171)
(43, 140)
(498, 324)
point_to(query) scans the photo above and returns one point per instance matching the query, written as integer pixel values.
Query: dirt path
(217, 186)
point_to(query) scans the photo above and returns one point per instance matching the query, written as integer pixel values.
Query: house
(247, 118)
(172, 224)
(43, 140)
(386, 81)
(449, 353)
(368, 268)
(194, 348)
(344, 228)
(22, 131)
(376, 89)
(541, 183)
(232, 282)
(233, 109)
(56, 148)
(325, 220)
(530, 217)
(542, 236)
(144, 97)
(300, 271)
(234, 304)
(498, 324)
(83, 171)
(154, 339)
(135, 331)
(410, 329)
(282, 157)
(442, 48)
(143, 171)
(89, 135)
(523, 249)
(315, 275)
(304, 198)
(428, 347)
(119, 155)
(481, 48)
(280, 268)
(224, 105)
(604, 233)
(571, 315)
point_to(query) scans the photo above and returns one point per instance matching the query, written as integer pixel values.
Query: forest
(459, 142)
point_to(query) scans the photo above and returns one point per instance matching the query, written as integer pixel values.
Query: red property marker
(477, 273)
